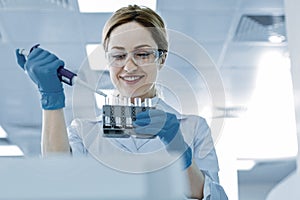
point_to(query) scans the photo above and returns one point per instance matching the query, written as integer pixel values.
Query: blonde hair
(142, 15)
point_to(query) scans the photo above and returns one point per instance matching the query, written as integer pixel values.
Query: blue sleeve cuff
(53, 101)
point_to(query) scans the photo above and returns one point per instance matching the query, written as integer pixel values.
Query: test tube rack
(118, 120)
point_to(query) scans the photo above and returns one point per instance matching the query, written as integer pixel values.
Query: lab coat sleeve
(75, 139)
(206, 159)
(212, 189)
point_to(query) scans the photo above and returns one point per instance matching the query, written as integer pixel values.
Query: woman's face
(130, 79)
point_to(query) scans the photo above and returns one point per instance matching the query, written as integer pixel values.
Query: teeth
(131, 78)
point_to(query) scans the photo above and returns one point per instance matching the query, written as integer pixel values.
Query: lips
(131, 79)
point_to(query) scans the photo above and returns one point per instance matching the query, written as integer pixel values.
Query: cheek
(114, 74)
(152, 74)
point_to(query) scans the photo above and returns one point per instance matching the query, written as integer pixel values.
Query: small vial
(129, 122)
(127, 112)
(116, 101)
(107, 121)
(129, 101)
(148, 102)
(118, 121)
(126, 101)
(137, 101)
(107, 100)
(111, 100)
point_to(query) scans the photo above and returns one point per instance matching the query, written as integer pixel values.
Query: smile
(131, 78)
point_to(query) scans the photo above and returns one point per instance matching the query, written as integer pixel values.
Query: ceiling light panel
(36, 5)
(259, 28)
(10, 150)
(104, 6)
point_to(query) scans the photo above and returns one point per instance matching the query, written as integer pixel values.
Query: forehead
(130, 35)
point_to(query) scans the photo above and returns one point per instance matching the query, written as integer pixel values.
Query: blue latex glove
(166, 127)
(41, 67)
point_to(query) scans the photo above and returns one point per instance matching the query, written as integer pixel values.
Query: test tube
(138, 101)
(148, 102)
(107, 101)
(126, 117)
(118, 121)
(116, 101)
(110, 120)
(107, 121)
(125, 101)
(107, 110)
(116, 113)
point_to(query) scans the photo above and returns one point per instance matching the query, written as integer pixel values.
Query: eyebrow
(143, 45)
(136, 47)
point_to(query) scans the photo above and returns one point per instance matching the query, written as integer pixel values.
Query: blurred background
(247, 40)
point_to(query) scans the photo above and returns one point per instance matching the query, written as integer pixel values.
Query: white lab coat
(85, 137)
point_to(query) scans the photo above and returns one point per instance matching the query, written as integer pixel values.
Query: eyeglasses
(140, 57)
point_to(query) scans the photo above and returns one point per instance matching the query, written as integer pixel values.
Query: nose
(130, 65)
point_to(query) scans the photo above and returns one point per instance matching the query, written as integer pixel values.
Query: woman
(136, 46)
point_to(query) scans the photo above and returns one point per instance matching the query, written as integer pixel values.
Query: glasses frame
(158, 53)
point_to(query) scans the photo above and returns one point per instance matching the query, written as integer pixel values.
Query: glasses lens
(144, 56)
(140, 57)
(116, 59)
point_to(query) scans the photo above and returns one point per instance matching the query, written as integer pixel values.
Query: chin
(140, 92)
